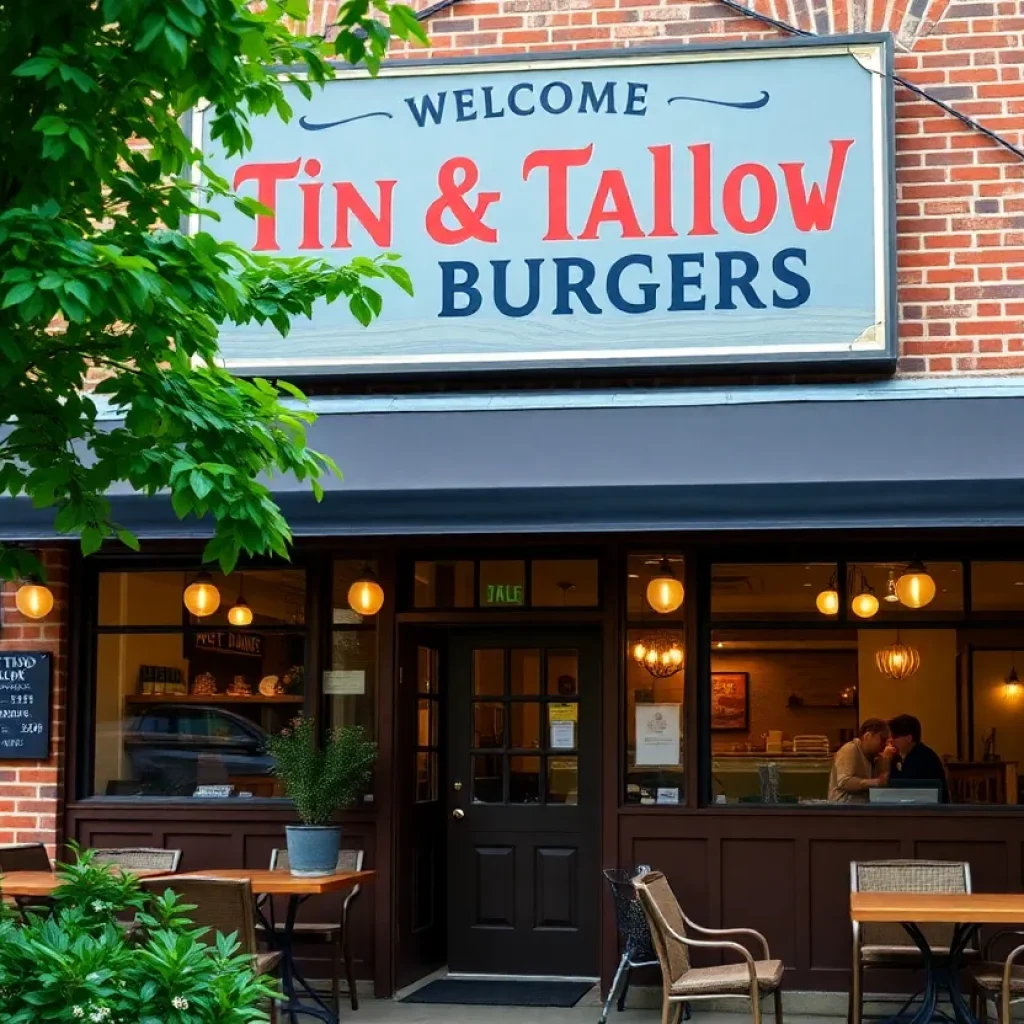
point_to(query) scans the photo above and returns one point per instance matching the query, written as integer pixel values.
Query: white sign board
(657, 734)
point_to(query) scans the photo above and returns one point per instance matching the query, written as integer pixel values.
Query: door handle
(458, 814)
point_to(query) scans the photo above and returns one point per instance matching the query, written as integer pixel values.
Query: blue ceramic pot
(313, 849)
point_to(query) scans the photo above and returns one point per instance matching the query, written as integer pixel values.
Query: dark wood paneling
(556, 883)
(766, 899)
(494, 877)
(989, 868)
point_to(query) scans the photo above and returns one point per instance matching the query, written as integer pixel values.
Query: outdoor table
(967, 912)
(299, 996)
(40, 884)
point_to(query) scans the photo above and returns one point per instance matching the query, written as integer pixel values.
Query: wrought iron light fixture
(865, 604)
(827, 602)
(660, 653)
(1012, 690)
(898, 660)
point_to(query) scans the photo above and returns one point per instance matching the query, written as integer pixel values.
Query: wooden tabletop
(283, 883)
(42, 883)
(937, 908)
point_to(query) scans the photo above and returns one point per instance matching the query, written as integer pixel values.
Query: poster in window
(657, 735)
(730, 705)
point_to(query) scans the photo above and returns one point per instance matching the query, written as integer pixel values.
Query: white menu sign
(657, 734)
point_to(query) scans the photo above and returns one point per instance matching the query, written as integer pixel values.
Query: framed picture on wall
(730, 705)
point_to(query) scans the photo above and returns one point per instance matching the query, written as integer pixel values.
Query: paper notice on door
(341, 683)
(563, 735)
(657, 734)
(562, 712)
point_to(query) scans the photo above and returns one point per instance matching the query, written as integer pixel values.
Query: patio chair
(888, 946)
(1001, 983)
(224, 906)
(140, 857)
(748, 979)
(334, 935)
(24, 857)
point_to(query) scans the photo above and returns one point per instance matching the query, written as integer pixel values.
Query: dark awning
(892, 454)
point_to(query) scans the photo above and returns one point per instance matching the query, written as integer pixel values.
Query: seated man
(913, 759)
(858, 765)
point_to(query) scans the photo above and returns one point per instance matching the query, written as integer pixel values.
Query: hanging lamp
(201, 596)
(366, 595)
(898, 660)
(915, 587)
(665, 593)
(240, 614)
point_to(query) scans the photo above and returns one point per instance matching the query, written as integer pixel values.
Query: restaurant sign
(713, 206)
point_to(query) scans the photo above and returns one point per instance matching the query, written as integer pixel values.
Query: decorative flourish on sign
(312, 126)
(761, 101)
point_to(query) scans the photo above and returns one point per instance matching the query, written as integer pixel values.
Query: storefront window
(350, 684)
(183, 703)
(655, 686)
(443, 585)
(773, 592)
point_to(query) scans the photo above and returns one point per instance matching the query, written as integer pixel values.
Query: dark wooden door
(523, 803)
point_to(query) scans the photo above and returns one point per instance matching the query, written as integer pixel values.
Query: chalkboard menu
(24, 706)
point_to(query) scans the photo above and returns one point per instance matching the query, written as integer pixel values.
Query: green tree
(88, 242)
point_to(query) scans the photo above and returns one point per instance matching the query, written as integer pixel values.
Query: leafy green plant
(320, 778)
(78, 962)
(97, 283)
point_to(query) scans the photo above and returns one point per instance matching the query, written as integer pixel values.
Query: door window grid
(427, 725)
(521, 694)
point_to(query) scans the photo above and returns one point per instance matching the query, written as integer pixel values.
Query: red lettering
(612, 186)
(266, 177)
(767, 198)
(702, 224)
(663, 227)
(557, 162)
(376, 225)
(811, 210)
(311, 208)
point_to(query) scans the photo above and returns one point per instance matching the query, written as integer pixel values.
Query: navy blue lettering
(513, 94)
(564, 287)
(595, 100)
(501, 288)
(648, 289)
(489, 111)
(681, 280)
(636, 98)
(545, 97)
(728, 279)
(427, 109)
(464, 105)
(795, 280)
(450, 287)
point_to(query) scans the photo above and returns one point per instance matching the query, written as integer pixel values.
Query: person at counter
(859, 766)
(912, 760)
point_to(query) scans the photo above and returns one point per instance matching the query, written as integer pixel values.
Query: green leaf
(92, 540)
(51, 124)
(201, 484)
(35, 67)
(19, 293)
(128, 539)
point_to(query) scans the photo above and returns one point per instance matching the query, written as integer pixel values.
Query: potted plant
(320, 778)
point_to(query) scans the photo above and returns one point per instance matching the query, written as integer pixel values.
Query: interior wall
(929, 694)
(817, 677)
(992, 707)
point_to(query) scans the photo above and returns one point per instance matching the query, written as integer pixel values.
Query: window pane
(654, 716)
(525, 673)
(426, 778)
(770, 591)
(997, 750)
(179, 710)
(488, 779)
(997, 586)
(563, 673)
(426, 670)
(564, 583)
(488, 725)
(563, 784)
(502, 584)
(890, 583)
(354, 657)
(443, 585)
(524, 780)
(426, 723)
(489, 673)
(141, 599)
(640, 570)
(347, 572)
(525, 725)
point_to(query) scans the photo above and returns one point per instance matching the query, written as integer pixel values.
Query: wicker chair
(749, 979)
(223, 906)
(24, 857)
(999, 982)
(888, 946)
(140, 858)
(335, 935)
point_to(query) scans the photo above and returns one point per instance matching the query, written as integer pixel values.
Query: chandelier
(898, 660)
(660, 653)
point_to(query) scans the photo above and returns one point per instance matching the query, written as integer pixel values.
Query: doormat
(479, 992)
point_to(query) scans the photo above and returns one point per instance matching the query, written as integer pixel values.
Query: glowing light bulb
(34, 600)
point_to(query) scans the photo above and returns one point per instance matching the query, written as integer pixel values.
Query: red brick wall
(31, 792)
(960, 196)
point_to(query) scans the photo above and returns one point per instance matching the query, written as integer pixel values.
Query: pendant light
(865, 604)
(1012, 689)
(898, 660)
(915, 588)
(240, 614)
(664, 592)
(366, 595)
(33, 599)
(891, 597)
(827, 602)
(201, 597)
(659, 653)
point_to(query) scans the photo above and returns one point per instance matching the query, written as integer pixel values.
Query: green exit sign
(504, 593)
